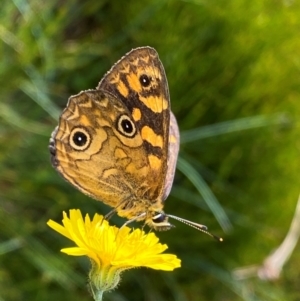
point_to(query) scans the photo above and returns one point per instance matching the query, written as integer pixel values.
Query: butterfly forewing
(139, 81)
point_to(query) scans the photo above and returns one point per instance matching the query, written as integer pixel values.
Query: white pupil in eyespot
(144, 80)
(127, 126)
(80, 138)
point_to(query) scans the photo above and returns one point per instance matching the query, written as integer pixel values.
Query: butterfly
(119, 143)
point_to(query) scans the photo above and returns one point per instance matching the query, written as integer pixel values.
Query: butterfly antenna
(197, 226)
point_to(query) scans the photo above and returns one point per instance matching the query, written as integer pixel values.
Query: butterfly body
(119, 143)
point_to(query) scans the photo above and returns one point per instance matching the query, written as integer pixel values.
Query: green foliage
(233, 72)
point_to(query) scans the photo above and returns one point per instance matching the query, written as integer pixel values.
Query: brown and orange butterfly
(119, 143)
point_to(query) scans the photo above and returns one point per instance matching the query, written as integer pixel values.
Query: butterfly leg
(109, 215)
(133, 219)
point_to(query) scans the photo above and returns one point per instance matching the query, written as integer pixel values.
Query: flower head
(112, 250)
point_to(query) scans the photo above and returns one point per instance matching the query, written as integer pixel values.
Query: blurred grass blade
(13, 118)
(176, 290)
(146, 14)
(52, 266)
(10, 39)
(37, 90)
(188, 170)
(235, 125)
(188, 196)
(10, 245)
(224, 277)
(23, 7)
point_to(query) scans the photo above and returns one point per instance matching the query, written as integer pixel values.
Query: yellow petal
(109, 246)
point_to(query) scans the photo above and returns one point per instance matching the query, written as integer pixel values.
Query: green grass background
(234, 78)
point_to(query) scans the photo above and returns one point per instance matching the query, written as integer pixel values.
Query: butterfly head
(159, 221)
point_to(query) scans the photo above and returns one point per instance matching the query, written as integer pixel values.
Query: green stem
(102, 279)
(98, 296)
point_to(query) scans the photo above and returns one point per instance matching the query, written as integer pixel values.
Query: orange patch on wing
(109, 172)
(142, 171)
(152, 72)
(136, 114)
(135, 62)
(155, 103)
(84, 120)
(149, 135)
(103, 104)
(134, 82)
(122, 89)
(86, 104)
(154, 162)
(119, 153)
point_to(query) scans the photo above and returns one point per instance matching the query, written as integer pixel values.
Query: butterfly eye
(126, 127)
(80, 139)
(159, 218)
(145, 80)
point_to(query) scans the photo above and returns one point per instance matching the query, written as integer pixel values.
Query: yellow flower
(111, 250)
